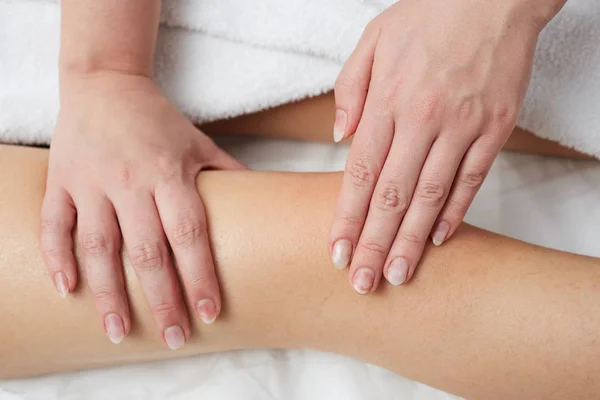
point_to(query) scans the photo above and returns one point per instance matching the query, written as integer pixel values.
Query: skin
(431, 94)
(484, 317)
(115, 169)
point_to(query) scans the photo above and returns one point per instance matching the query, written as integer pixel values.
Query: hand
(432, 93)
(122, 158)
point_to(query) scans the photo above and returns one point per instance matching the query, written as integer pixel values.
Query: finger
(57, 222)
(473, 170)
(352, 85)
(100, 243)
(427, 201)
(183, 217)
(219, 159)
(367, 156)
(388, 205)
(147, 249)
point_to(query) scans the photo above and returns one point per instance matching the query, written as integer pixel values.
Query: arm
(115, 36)
(485, 317)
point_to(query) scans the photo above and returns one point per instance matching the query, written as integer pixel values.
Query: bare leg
(486, 317)
(312, 119)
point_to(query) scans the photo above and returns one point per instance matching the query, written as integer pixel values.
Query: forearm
(485, 316)
(108, 35)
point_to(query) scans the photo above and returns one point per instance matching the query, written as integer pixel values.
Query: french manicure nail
(339, 127)
(207, 311)
(62, 284)
(114, 328)
(363, 280)
(174, 337)
(440, 233)
(397, 271)
(342, 251)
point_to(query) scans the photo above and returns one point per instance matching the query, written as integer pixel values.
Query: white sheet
(552, 202)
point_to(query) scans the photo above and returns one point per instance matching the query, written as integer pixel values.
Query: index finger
(367, 155)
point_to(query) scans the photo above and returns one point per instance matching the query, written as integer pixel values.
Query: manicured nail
(339, 127)
(342, 251)
(397, 271)
(440, 233)
(62, 284)
(207, 311)
(174, 337)
(363, 280)
(113, 325)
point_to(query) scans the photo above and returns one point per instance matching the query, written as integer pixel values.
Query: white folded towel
(221, 58)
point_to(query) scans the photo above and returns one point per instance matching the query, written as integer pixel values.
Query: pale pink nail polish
(341, 254)
(440, 233)
(174, 337)
(113, 324)
(61, 283)
(397, 271)
(341, 119)
(363, 280)
(207, 311)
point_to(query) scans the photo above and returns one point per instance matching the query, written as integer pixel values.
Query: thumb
(352, 85)
(219, 159)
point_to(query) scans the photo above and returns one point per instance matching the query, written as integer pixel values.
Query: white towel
(221, 58)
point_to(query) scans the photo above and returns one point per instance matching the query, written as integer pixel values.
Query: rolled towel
(222, 58)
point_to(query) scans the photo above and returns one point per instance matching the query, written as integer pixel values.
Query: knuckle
(94, 244)
(164, 309)
(187, 232)
(351, 222)
(124, 175)
(412, 238)
(426, 108)
(389, 95)
(431, 193)
(344, 83)
(504, 114)
(456, 209)
(147, 256)
(372, 27)
(105, 296)
(168, 169)
(373, 247)
(361, 172)
(52, 256)
(391, 200)
(196, 282)
(472, 179)
(465, 110)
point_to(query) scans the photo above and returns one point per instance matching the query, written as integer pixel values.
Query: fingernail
(363, 280)
(339, 127)
(207, 311)
(114, 328)
(342, 251)
(397, 271)
(440, 233)
(174, 337)
(62, 284)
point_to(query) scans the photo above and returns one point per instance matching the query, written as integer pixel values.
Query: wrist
(78, 84)
(543, 11)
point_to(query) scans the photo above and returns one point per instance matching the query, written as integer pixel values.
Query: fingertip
(339, 128)
(62, 284)
(207, 311)
(398, 271)
(440, 233)
(341, 253)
